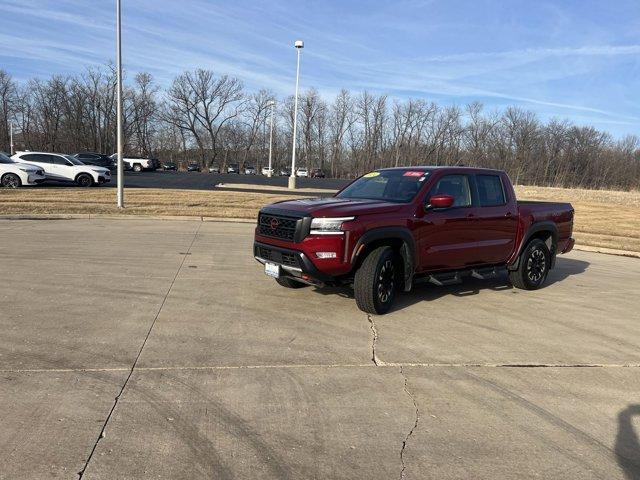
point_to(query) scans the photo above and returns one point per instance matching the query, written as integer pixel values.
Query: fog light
(326, 254)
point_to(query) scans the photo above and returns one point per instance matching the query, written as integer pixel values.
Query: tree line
(208, 118)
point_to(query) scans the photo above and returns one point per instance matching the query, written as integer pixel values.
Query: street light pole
(292, 178)
(11, 137)
(269, 172)
(119, 100)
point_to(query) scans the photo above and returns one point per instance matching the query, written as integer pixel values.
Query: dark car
(395, 227)
(170, 166)
(193, 167)
(233, 168)
(317, 173)
(97, 159)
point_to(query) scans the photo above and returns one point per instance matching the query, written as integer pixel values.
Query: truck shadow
(627, 447)
(564, 268)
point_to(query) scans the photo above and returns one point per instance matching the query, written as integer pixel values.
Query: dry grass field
(607, 219)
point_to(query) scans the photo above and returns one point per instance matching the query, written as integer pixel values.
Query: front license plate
(272, 269)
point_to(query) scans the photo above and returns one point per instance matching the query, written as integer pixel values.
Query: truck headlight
(328, 226)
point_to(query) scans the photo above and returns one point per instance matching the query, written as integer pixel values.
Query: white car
(138, 164)
(266, 171)
(65, 168)
(302, 172)
(14, 175)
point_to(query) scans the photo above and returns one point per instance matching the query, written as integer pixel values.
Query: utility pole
(270, 173)
(119, 108)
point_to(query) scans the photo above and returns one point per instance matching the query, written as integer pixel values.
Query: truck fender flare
(538, 227)
(407, 249)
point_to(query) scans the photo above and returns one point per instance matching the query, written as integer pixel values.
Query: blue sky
(571, 59)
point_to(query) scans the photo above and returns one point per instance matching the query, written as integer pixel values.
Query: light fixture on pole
(272, 104)
(292, 178)
(120, 185)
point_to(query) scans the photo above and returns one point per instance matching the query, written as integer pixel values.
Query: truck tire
(11, 180)
(137, 167)
(376, 281)
(84, 180)
(533, 266)
(286, 282)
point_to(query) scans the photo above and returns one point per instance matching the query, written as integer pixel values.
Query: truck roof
(443, 167)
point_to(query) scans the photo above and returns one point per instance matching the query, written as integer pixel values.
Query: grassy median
(609, 219)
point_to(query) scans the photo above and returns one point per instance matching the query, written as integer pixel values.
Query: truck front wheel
(376, 281)
(533, 267)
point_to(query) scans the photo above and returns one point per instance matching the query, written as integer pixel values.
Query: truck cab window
(490, 191)
(455, 185)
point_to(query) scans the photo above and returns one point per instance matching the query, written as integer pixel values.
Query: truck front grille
(277, 226)
(283, 258)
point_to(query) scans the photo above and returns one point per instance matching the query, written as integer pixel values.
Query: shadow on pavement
(627, 444)
(565, 268)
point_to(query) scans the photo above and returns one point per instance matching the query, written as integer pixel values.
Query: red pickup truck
(394, 227)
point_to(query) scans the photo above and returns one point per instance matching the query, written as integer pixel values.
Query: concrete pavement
(220, 373)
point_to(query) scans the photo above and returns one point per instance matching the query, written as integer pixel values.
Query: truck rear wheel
(137, 167)
(376, 281)
(533, 267)
(286, 282)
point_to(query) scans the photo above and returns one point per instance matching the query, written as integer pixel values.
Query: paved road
(220, 373)
(206, 181)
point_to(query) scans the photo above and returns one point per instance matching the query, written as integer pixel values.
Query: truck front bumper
(293, 263)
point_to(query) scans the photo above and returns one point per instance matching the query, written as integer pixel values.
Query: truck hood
(336, 207)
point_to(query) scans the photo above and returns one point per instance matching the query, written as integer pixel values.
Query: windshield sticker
(371, 174)
(413, 174)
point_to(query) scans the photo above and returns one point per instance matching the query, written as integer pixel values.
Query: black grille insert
(283, 258)
(277, 226)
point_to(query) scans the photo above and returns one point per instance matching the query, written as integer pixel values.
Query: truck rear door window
(490, 191)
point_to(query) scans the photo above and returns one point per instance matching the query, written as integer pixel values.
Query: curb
(607, 251)
(109, 216)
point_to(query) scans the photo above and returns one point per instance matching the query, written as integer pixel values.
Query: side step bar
(454, 278)
(484, 273)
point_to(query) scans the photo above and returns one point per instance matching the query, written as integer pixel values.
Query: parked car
(98, 159)
(266, 171)
(317, 173)
(233, 168)
(138, 164)
(394, 227)
(14, 175)
(193, 167)
(249, 170)
(214, 168)
(65, 168)
(302, 172)
(170, 166)
(285, 172)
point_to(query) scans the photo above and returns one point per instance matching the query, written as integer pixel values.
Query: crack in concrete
(413, 428)
(374, 331)
(135, 362)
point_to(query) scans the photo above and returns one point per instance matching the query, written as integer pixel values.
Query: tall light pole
(273, 106)
(292, 178)
(119, 109)
(11, 138)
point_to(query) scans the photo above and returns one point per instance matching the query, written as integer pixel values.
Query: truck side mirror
(440, 201)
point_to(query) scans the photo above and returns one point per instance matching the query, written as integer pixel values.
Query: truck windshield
(397, 185)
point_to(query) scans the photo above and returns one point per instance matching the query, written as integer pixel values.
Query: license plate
(272, 269)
